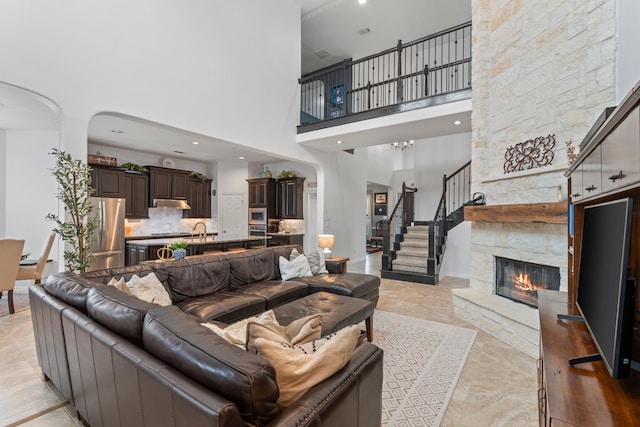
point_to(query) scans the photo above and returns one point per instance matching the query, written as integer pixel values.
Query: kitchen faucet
(200, 235)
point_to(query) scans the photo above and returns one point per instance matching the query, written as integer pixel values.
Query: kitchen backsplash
(163, 220)
(295, 226)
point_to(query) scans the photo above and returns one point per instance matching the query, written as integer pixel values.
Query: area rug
(20, 303)
(422, 363)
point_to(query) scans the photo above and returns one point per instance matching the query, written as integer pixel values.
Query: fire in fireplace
(519, 281)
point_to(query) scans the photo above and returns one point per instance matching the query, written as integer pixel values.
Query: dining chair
(10, 254)
(32, 269)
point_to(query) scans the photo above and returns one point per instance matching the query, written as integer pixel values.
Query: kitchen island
(146, 250)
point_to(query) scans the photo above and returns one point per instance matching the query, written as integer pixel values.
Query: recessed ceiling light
(195, 143)
(457, 122)
(241, 157)
(362, 1)
(117, 131)
(338, 142)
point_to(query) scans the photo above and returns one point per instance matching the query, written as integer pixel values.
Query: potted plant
(179, 249)
(79, 225)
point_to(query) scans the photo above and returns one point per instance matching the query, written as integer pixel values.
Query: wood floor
(497, 387)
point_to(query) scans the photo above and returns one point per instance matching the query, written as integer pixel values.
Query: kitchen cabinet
(107, 181)
(135, 254)
(262, 193)
(620, 160)
(199, 198)
(289, 198)
(278, 239)
(136, 194)
(167, 183)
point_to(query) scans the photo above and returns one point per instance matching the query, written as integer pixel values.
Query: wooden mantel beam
(547, 213)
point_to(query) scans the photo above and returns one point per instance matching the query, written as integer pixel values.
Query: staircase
(418, 251)
(414, 250)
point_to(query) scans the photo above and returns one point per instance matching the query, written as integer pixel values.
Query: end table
(339, 261)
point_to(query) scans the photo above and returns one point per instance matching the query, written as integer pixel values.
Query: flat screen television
(605, 296)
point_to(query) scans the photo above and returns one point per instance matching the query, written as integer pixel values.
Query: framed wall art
(380, 198)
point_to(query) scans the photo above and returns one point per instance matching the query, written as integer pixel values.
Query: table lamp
(326, 241)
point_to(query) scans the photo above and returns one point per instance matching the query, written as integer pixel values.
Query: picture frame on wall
(380, 198)
(380, 209)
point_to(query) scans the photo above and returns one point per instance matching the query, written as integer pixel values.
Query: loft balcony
(433, 70)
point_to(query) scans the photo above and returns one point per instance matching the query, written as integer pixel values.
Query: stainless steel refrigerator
(108, 248)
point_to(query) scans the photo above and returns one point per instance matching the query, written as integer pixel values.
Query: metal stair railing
(407, 218)
(456, 192)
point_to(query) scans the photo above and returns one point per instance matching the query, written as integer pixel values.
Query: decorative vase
(179, 253)
(269, 174)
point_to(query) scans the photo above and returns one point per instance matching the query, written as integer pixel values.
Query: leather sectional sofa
(123, 361)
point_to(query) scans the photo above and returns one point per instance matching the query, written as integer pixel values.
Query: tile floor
(497, 388)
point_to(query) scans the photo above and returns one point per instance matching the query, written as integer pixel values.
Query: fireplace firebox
(519, 281)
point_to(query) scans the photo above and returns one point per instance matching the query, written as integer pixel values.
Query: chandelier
(403, 145)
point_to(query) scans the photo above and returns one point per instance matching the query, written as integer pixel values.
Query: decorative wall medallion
(531, 154)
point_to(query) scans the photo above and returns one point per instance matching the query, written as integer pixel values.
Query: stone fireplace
(533, 75)
(520, 281)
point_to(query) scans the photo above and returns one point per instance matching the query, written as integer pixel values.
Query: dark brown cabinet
(135, 254)
(289, 198)
(262, 193)
(167, 183)
(107, 181)
(285, 239)
(199, 198)
(136, 194)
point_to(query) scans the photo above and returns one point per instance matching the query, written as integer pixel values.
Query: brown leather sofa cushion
(244, 378)
(193, 277)
(350, 284)
(117, 311)
(251, 267)
(103, 276)
(275, 292)
(223, 306)
(70, 288)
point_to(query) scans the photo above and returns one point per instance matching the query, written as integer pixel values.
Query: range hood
(170, 203)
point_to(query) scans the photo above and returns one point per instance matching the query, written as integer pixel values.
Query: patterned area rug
(422, 363)
(20, 303)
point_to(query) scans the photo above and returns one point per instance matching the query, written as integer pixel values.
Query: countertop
(285, 234)
(165, 236)
(192, 242)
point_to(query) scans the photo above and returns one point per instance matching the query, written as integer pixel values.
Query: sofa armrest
(350, 397)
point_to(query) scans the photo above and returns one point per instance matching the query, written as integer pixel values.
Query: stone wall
(540, 67)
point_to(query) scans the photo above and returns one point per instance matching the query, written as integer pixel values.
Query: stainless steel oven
(257, 230)
(258, 216)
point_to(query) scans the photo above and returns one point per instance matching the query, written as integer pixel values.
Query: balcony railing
(434, 65)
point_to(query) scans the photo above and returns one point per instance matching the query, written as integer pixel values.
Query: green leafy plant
(134, 167)
(79, 224)
(180, 244)
(198, 175)
(286, 174)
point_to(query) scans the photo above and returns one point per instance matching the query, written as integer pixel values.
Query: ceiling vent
(322, 53)
(364, 31)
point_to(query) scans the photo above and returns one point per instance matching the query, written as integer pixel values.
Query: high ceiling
(331, 32)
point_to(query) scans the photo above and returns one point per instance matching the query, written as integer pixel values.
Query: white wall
(627, 58)
(435, 157)
(3, 183)
(30, 193)
(144, 158)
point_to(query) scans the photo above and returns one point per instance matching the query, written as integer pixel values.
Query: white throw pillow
(236, 333)
(119, 285)
(148, 288)
(300, 367)
(299, 267)
(315, 259)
